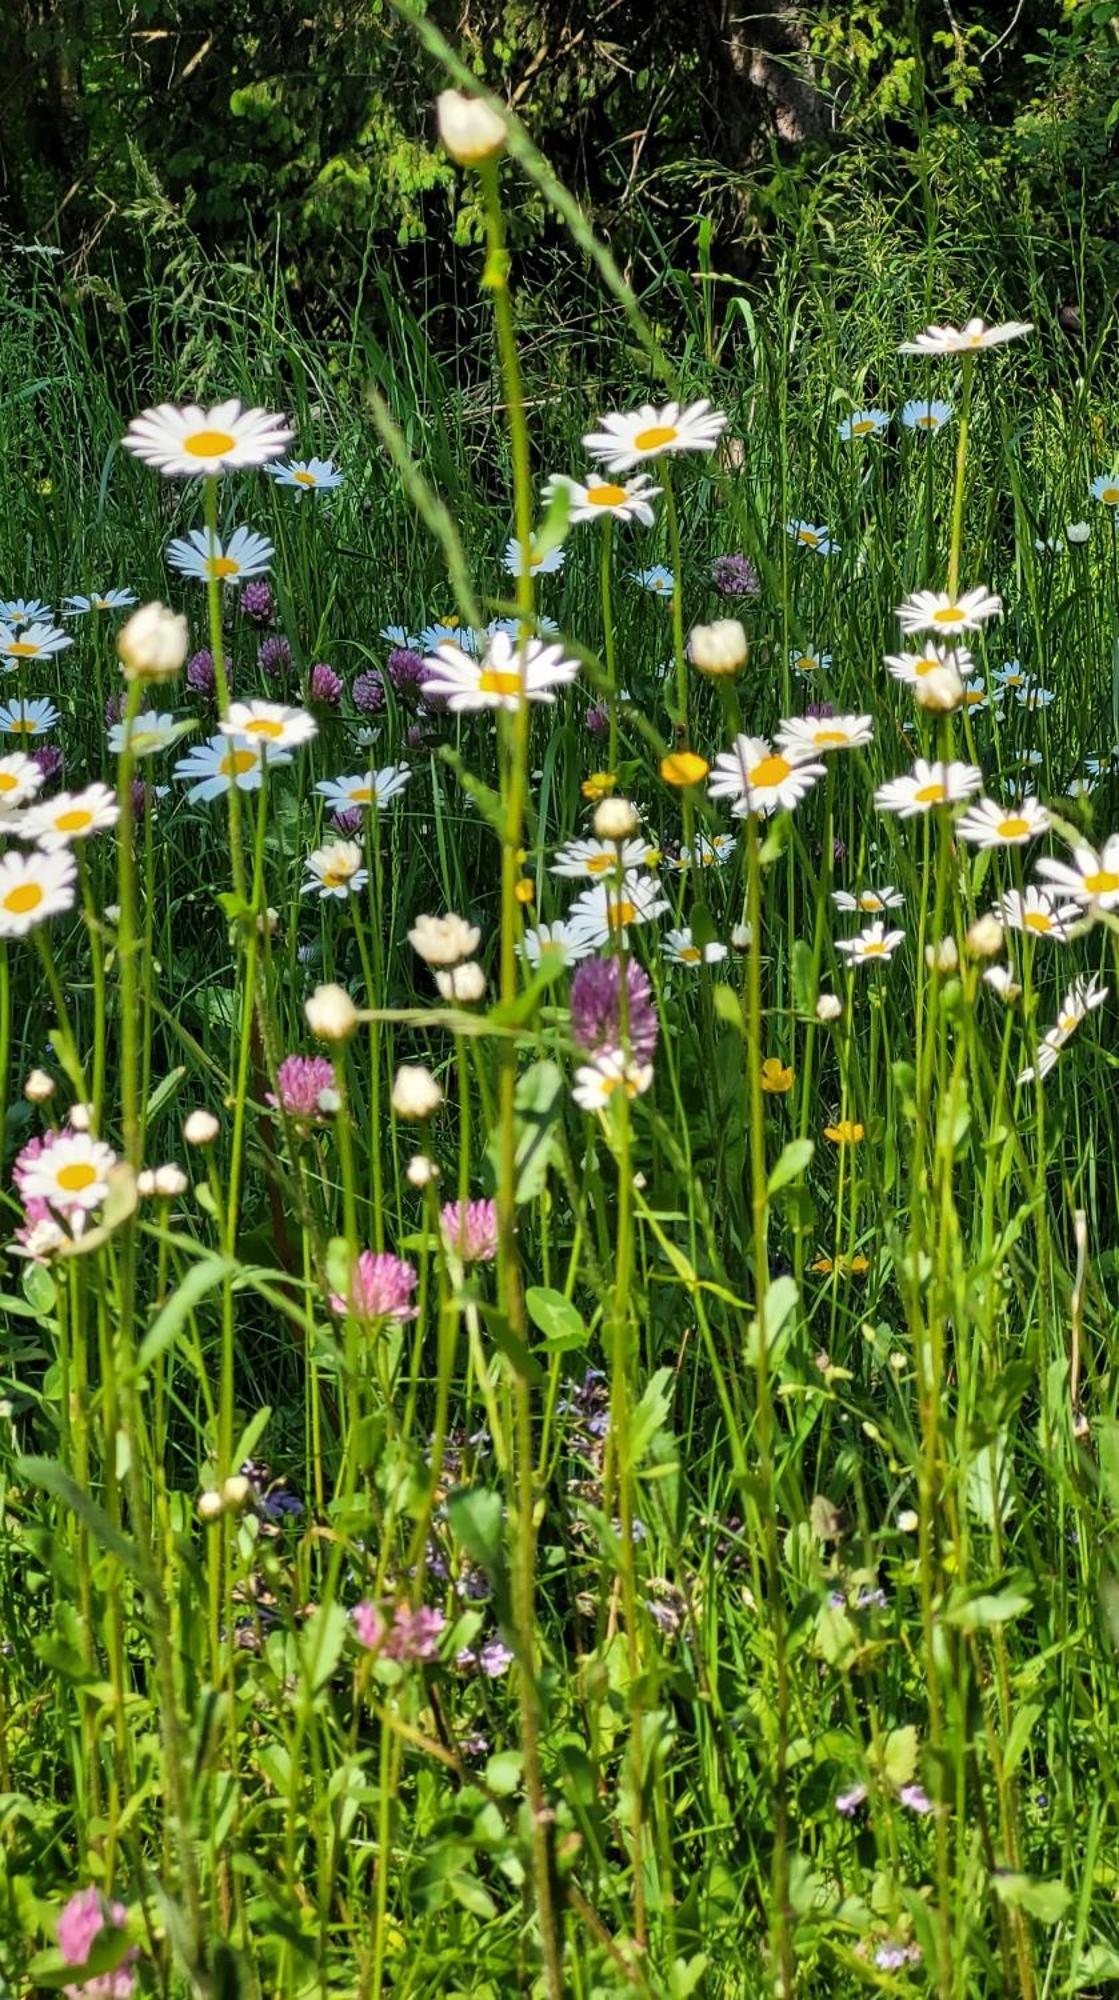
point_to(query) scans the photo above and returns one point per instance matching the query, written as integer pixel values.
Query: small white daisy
(20, 779)
(70, 816)
(868, 902)
(148, 733)
(1106, 489)
(1002, 980)
(449, 632)
(1082, 998)
(203, 556)
(507, 675)
(371, 788)
(186, 442)
(512, 628)
(27, 718)
(335, 870)
(1091, 879)
(33, 887)
(19, 611)
(397, 635)
(1030, 757)
(912, 668)
(871, 945)
(271, 724)
(213, 767)
(1035, 698)
(922, 415)
(759, 779)
(680, 948)
(610, 909)
(1038, 913)
(803, 737)
(977, 696)
(935, 611)
(1101, 766)
(1011, 677)
(658, 579)
(810, 535)
(861, 424)
(926, 786)
(100, 600)
(597, 1082)
(604, 499)
(987, 824)
(560, 937)
(32, 642)
(72, 1174)
(808, 662)
(627, 439)
(966, 339)
(537, 565)
(306, 475)
(579, 858)
(708, 851)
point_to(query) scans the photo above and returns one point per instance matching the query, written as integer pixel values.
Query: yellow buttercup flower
(684, 767)
(846, 1133)
(525, 889)
(776, 1075)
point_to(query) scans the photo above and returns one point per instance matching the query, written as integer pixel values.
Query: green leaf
(165, 1090)
(650, 1415)
(898, 1757)
(55, 1480)
(537, 1103)
(170, 1320)
(1047, 1901)
(1098, 1963)
(728, 1007)
(989, 1608)
(793, 1160)
(503, 1772)
(320, 1646)
(476, 1516)
(556, 1318)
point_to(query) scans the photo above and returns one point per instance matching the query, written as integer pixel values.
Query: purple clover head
(326, 685)
(200, 673)
(407, 672)
(734, 576)
(83, 1920)
(598, 721)
(471, 1232)
(381, 1287)
(258, 603)
(368, 692)
(51, 762)
(596, 1010)
(274, 658)
(302, 1081)
(349, 821)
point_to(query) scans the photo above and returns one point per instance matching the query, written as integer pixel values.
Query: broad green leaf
(898, 1756)
(989, 1608)
(650, 1415)
(170, 1320)
(538, 1100)
(556, 1318)
(1047, 1901)
(56, 1480)
(792, 1160)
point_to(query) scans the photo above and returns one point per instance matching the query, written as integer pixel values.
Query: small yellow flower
(844, 1134)
(525, 889)
(776, 1076)
(854, 1267)
(684, 767)
(599, 785)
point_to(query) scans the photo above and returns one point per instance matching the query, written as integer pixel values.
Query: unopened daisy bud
(211, 1506)
(80, 1117)
(984, 939)
(145, 1183)
(615, 819)
(470, 131)
(201, 1129)
(942, 957)
(1077, 532)
(152, 645)
(464, 983)
(718, 650)
(329, 1101)
(235, 1491)
(741, 937)
(415, 1092)
(444, 940)
(829, 1007)
(169, 1182)
(908, 1521)
(268, 922)
(421, 1171)
(331, 1014)
(39, 1087)
(941, 690)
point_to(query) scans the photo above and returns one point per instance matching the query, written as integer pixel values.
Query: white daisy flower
(1106, 488)
(186, 442)
(871, 945)
(271, 724)
(802, 737)
(868, 902)
(202, 555)
(505, 676)
(371, 788)
(926, 415)
(978, 696)
(658, 579)
(935, 611)
(306, 475)
(862, 423)
(537, 565)
(1107, 761)
(912, 668)
(1034, 698)
(512, 627)
(811, 535)
(1093, 877)
(611, 909)
(19, 611)
(335, 870)
(759, 779)
(450, 632)
(397, 635)
(27, 718)
(1038, 913)
(809, 662)
(578, 858)
(597, 1082)
(33, 887)
(1083, 996)
(625, 440)
(560, 937)
(214, 767)
(680, 948)
(708, 851)
(605, 499)
(926, 786)
(100, 600)
(20, 779)
(148, 733)
(1011, 676)
(32, 642)
(72, 1174)
(987, 824)
(1077, 533)
(68, 817)
(965, 339)
(1002, 979)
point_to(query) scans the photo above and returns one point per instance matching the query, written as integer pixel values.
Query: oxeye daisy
(1034, 698)
(861, 424)
(579, 858)
(680, 948)
(658, 579)
(561, 937)
(811, 536)
(32, 642)
(183, 443)
(965, 339)
(33, 887)
(810, 736)
(604, 499)
(759, 779)
(147, 734)
(926, 416)
(27, 718)
(507, 674)
(707, 851)
(1001, 980)
(537, 565)
(1091, 879)
(100, 600)
(69, 816)
(202, 555)
(976, 697)
(610, 1074)
(19, 611)
(912, 668)
(1082, 998)
(626, 440)
(335, 870)
(215, 766)
(610, 909)
(306, 475)
(20, 779)
(868, 902)
(1104, 764)
(1106, 488)
(447, 631)
(269, 724)
(371, 788)
(72, 1174)
(871, 946)
(1037, 912)
(936, 611)
(987, 824)
(926, 786)
(1011, 675)
(808, 662)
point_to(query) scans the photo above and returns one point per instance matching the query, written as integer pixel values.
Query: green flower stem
(221, 682)
(608, 648)
(961, 467)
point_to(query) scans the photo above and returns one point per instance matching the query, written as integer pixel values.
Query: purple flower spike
(596, 1011)
(470, 1233)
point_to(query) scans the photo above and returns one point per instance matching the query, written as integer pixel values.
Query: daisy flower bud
(415, 1092)
(152, 645)
(444, 940)
(741, 937)
(941, 690)
(169, 1182)
(80, 1117)
(145, 1183)
(39, 1087)
(331, 1014)
(211, 1506)
(984, 939)
(1077, 532)
(421, 1171)
(908, 1521)
(470, 131)
(829, 1007)
(201, 1129)
(718, 650)
(235, 1491)
(615, 819)
(463, 983)
(942, 957)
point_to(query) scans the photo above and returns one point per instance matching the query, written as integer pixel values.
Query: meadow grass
(710, 1589)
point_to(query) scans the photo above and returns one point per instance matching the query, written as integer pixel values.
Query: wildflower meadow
(558, 1007)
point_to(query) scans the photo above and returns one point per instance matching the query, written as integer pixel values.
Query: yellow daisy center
(74, 821)
(875, 950)
(606, 495)
(690, 954)
(337, 874)
(807, 662)
(23, 725)
(236, 762)
(861, 429)
(869, 901)
(493, 680)
(827, 738)
(21, 649)
(222, 566)
(209, 444)
(77, 1177)
(771, 771)
(263, 725)
(806, 535)
(24, 898)
(929, 795)
(1068, 1022)
(948, 614)
(1037, 920)
(927, 423)
(597, 864)
(8, 781)
(1102, 883)
(360, 795)
(656, 437)
(1110, 496)
(620, 914)
(976, 339)
(1012, 828)
(305, 478)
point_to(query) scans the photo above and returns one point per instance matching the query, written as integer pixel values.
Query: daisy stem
(961, 466)
(126, 932)
(217, 651)
(608, 643)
